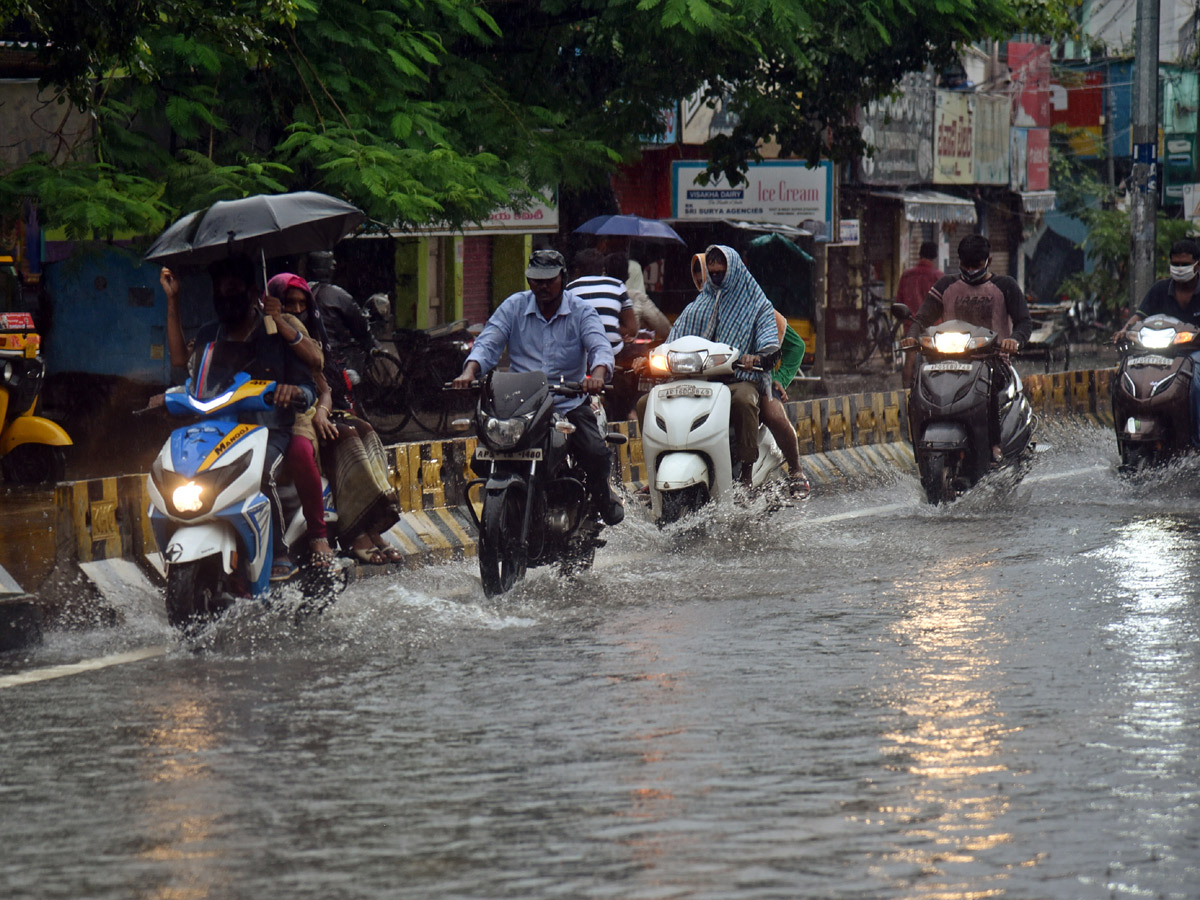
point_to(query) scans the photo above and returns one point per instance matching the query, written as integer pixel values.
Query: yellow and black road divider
(103, 529)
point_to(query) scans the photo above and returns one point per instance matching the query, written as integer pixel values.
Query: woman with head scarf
(349, 449)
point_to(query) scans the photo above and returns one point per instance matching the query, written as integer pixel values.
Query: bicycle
(407, 384)
(883, 334)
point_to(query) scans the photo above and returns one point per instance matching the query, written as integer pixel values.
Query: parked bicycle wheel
(383, 395)
(434, 408)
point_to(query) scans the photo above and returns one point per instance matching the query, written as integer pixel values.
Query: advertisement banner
(1077, 102)
(1030, 68)
(1030, 152)
(953, 141)
(786, 192)
(990, 127)
(900, 129)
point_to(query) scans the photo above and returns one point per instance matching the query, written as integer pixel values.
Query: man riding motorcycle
(977, 296)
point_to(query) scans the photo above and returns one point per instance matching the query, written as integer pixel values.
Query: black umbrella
(264, 225)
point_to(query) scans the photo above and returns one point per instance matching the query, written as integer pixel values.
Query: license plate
(1150, 361)
(948, 367)
(685, 390)
(496, 456)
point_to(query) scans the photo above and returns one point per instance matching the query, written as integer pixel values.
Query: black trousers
(590, 449)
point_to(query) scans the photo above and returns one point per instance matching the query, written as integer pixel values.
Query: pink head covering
(280, 284)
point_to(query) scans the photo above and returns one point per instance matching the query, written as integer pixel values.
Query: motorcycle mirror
(902, 312)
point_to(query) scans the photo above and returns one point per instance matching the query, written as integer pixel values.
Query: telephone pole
(1143, 181)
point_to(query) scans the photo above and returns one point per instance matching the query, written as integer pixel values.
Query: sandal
(391, 554)
(317, 558)
(371, 556)
(283, 569)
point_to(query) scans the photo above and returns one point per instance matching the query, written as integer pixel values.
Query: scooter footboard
(679, 470)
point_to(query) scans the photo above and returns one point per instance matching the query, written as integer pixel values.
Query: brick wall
(477, 278)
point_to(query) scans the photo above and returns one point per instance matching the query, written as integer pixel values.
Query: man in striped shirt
(605, 294)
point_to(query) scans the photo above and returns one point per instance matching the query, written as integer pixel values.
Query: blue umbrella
(630, 226)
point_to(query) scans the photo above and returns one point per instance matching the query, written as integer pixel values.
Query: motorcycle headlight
(1156, 338)
(188, 497)
(951, 341)
(686, 363)
(504, 434)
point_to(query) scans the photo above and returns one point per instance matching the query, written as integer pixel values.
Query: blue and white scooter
(209, 515)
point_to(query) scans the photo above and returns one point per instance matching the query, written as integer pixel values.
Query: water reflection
(951, 803)
(184, 799)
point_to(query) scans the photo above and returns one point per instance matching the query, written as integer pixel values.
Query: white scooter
(686, 433)
(210, 518)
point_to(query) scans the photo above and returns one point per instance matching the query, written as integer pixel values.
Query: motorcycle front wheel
(194, 594)
(502, 561)
(34, 464)
(677, 504)
(937, 478)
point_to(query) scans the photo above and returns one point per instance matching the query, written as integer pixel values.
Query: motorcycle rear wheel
(502, 562)
(194, 594)
(938, 479)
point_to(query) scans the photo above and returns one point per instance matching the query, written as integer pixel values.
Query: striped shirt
(608, 297)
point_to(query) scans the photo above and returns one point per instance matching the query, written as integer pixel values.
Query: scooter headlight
(188, 497)
(1156, 338)
(686, 363)
(659, 364)
(504, 434)
(951, 342)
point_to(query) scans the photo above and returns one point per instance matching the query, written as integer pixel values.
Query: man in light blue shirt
(549, 329)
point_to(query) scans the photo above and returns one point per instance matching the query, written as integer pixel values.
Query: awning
(1036, 201)
(932, 206)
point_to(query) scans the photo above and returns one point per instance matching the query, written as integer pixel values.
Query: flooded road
(862, 698)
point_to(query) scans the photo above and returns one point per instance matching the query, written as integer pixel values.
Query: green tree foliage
(439, 111)
(1082, 194)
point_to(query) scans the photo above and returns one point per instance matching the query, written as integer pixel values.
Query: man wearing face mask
(1176, 297)
(977, 296)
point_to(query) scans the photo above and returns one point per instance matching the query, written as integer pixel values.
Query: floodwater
(862, 698)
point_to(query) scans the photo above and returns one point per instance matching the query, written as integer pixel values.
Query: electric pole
(1143, 181)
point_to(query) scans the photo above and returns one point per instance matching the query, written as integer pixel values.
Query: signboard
(953, 141)
(1030, 68)
(701, 121)
(1179, 166)
(900, 128)
(1037, 159)
(786, 192)
(848, 232)
(1077, 102)
(990, 128)
(540, 218)
(1191, 202)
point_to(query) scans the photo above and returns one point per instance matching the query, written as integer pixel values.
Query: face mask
(974, 276)
(717, 278)
(1183, 273)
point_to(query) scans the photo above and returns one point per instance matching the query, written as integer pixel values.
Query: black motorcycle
(536, 507)
(948, 410)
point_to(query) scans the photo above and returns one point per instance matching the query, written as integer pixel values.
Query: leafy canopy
(439, 111)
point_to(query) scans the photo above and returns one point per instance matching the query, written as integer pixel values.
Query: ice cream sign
(786, 192)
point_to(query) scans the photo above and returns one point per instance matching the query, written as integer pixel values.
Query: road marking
(88, 665)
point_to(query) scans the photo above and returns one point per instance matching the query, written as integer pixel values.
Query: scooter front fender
(33, 430)
(200, 541)
(944, 436)
(676, 471)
